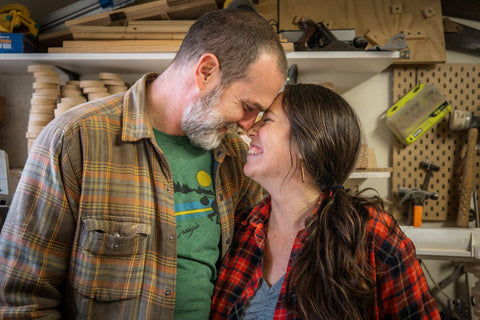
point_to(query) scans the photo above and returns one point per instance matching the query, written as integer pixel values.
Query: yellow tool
(15, 17)
(414, 114)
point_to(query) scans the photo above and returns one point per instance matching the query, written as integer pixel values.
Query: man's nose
(248, 120)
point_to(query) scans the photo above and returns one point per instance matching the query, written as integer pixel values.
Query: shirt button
(168, 292)
(219, 154)
(221, 197)
(116, 234)
(228, 241)
(170, 237)
(115, 246)
(169, 189)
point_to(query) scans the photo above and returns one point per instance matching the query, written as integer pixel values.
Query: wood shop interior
(410, 69)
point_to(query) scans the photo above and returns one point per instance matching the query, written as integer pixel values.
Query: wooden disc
(66, 106)
(42, 108)
(97, 95)
(45, 74)
(77, 100)
(39, 68)
(37, 122)
(90, 83)
(44, 85)
(41, 100)
(94, 89)
(44, 117)
(48, 80)
(47, 92)
(114, 82)
(71, 86)
(71, 93)
(110, 76)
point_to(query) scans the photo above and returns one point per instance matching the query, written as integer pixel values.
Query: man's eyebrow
(259, 107)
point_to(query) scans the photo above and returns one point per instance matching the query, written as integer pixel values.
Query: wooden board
(118, 46)
(124, 46)
(376, 19)
(173, 26)
(127, 36)
(53, 39)
(445, 148)
(151, 10)
(138, 31)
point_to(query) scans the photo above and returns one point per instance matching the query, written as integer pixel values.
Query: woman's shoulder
(384, 233)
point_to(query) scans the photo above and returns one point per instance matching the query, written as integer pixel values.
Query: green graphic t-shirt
(198, 225)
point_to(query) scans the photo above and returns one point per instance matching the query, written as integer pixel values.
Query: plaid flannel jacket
(91, 231)
(401, 289)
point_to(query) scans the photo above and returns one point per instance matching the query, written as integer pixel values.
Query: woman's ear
(207, 72)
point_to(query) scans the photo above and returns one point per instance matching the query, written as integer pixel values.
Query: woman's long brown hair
(330, 278)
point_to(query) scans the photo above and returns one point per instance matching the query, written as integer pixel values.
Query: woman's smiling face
(269, 159)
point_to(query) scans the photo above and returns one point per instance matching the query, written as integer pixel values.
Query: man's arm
(36, 239)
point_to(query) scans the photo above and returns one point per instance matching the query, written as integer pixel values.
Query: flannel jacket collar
(136, 125)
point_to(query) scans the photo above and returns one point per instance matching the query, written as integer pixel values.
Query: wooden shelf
(344, 69)
(445, 243)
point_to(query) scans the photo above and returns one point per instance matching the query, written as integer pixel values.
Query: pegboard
(460, 84)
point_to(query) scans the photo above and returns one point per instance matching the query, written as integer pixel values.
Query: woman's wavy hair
(331, 278)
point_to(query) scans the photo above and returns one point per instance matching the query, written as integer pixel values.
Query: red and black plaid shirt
(401, 288)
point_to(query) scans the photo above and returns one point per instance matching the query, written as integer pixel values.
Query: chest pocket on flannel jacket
(110, 260)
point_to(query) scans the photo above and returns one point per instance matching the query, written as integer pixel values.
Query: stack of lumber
(137, 36)
(70, 96)
(74, 93)
(44, 99)
(52, 98)
(155, 26)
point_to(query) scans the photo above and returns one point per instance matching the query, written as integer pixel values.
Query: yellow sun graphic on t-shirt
(204, 178)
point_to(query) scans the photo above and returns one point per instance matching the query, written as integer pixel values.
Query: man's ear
(207, 72)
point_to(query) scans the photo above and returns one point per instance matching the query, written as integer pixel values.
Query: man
(126, 204)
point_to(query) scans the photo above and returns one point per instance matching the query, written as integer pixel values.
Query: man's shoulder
(92, 111)
(235, 142)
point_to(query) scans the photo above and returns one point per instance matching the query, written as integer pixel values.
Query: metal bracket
(71, 74)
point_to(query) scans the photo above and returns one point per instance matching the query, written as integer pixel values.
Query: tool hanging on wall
(416, 112)
(396, 43)
(464, 120)
(317, 37)
(417, 197)
(15, 18)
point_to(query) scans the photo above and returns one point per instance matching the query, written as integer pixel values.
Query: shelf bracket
(71, 74)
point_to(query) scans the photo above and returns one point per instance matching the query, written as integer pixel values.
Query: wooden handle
(466, 187)
(417, 216)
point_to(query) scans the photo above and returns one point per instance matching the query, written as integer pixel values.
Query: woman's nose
(253, 130)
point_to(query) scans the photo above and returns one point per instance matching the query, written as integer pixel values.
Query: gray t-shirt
(262, 304)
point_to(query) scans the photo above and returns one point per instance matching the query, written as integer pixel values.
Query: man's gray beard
(202, 123)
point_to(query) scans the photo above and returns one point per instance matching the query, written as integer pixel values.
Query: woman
(313, 250)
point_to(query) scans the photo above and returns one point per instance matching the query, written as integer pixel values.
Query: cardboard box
(17, 43)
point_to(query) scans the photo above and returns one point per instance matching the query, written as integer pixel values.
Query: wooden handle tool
(466, 187)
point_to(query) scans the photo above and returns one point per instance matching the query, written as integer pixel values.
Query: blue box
(17, 43)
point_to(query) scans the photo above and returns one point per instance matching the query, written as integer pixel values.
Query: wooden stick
(466, 187)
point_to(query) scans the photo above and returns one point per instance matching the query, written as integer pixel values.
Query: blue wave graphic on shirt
(192, 210)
